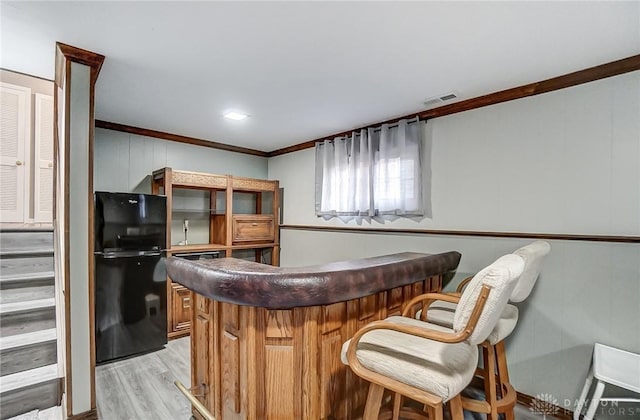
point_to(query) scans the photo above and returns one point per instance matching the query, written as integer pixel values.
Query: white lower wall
(563, 162)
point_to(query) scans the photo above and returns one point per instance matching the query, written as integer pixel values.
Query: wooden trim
(65, 55)
(178, 138)
(591, 74)
(527, 401)
(87, 415)
(527, 235)
(78, 55)
(65, 232)
(91, 244)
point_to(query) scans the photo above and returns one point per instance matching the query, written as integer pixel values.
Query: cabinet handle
(18, 162)
(254, 224)
(186, 303)
(50, 165)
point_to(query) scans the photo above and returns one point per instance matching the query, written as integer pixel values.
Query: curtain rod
(356, 131)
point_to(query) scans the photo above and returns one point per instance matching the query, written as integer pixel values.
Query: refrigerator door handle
(128, 254)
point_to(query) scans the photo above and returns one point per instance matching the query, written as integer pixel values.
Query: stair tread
(27, 276)
(7, 308)
(25, 252)
(28, 377)
(21, 340)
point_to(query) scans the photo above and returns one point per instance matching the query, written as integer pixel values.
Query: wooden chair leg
(455, 405)
(436, 412)
(503, 375)
(374, 399)
(397, 404)
(489, 360)
(501, 359)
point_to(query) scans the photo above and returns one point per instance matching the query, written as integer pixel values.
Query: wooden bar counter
(266, 341)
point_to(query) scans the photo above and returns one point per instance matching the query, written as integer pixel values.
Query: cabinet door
(181, 308)
(43, 149)
(15, 106)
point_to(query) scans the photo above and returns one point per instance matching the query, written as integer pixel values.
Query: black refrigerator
(130, 274)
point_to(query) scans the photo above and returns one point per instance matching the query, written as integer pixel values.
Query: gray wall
(563, 162)
(123, 162)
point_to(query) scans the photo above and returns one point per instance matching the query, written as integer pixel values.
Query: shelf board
(201, 211)
(197, 247)
(254, 245)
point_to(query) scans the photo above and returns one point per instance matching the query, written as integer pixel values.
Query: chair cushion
(441, 313)
(501, 277)
(438, 368)
(505, 326)
(532, 254)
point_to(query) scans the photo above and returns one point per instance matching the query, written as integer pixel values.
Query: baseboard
(559, 412)
(87, 415)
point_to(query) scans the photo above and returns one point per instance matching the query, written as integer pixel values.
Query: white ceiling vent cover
(440, 98)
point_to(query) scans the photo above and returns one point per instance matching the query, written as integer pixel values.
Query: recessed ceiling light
(235, 116)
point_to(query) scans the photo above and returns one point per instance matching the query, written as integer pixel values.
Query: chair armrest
(427, 299)
(463, 284)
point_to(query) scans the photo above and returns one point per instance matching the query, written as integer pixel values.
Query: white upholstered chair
(494, 355)
(423, 361)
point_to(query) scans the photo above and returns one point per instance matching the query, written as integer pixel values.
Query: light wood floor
(141, 387)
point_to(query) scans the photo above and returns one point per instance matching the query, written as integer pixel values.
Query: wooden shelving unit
(228, 231)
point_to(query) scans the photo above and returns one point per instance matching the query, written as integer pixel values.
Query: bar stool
(500, 397)
(427, 363)
(609, 366)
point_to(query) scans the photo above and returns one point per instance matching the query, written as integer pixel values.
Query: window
(372, 173)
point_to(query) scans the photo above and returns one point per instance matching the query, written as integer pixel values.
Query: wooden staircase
(28, 350)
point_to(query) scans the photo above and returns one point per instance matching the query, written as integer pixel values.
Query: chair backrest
(501, 276)
(532, 254)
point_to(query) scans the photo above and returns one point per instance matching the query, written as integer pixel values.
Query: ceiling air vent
(439, 99)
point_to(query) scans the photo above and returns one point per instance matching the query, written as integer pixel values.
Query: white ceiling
(303, 70)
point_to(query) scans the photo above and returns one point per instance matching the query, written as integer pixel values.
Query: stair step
(30, 292)
(53, 413)
(27, 378)
(26, 306)
(28, 339)
(25, 240)
(26, 278)
(27, 351)
(25, 265)
(29, 390)
(27, 316)
(32, 252)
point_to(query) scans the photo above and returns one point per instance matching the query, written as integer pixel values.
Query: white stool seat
(612, 366)
(617, 367)
(438, 368)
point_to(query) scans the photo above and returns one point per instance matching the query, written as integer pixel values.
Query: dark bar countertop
(249, 283)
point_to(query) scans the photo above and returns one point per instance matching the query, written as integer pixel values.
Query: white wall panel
(563, 162)
(111, 161)
(78, 208)
(124, 162)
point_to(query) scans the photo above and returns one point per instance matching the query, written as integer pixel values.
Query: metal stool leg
(583, 395)
(595, 400)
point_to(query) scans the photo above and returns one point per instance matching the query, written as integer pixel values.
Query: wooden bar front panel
(257, 363)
